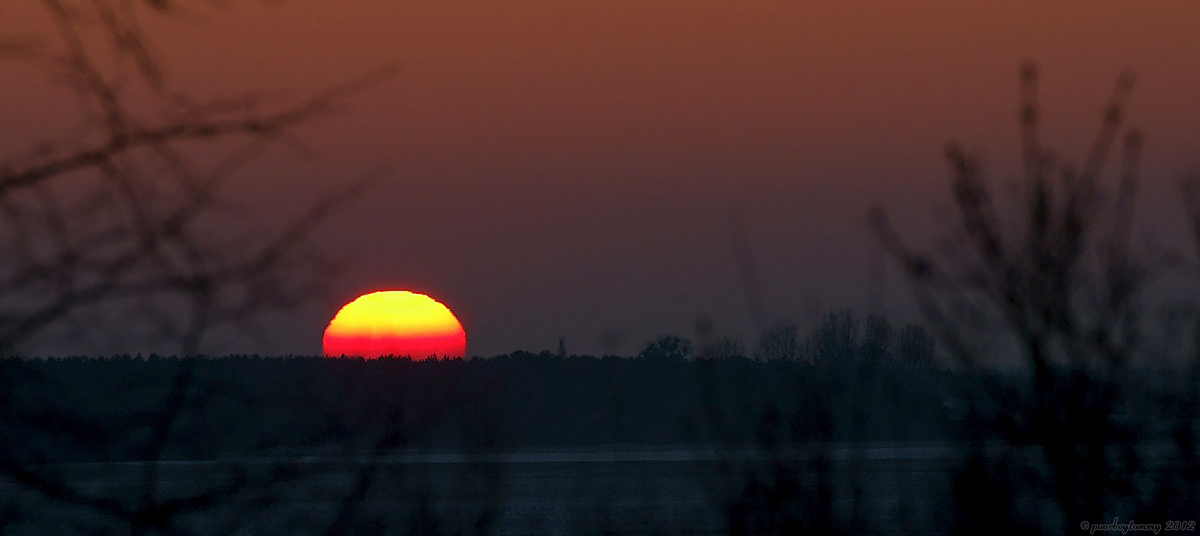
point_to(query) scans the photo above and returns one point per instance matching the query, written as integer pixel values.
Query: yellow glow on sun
(395, 322)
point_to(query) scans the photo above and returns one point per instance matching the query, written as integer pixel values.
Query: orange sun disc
(396, 323)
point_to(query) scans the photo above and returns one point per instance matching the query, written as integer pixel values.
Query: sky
(572, 169)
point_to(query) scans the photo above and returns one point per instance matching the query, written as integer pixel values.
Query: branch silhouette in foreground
(124, 228)
(1065, 292)
(132, 209)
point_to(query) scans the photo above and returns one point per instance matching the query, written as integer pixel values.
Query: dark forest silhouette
(851, 381)
(354, 411)
(542, 399)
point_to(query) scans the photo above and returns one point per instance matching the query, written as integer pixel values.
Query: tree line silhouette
(535, 399)
(849, 381)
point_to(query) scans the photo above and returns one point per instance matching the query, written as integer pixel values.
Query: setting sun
(397, 323)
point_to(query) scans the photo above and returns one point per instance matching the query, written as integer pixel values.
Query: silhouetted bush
(1050, 325)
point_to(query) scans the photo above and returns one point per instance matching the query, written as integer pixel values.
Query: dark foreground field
(890, 488)
(549, 444)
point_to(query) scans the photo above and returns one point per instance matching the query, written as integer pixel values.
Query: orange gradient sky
(568, 169)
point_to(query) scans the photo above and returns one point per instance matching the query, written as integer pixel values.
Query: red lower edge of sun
(414, 346)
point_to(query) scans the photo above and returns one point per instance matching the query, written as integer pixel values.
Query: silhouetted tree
(778, 344)
(124, 227)
(723, 348)
(835, 340)
(667, 348)
(877, 344)
(913, 349)
(124, 221)
(1060, 294)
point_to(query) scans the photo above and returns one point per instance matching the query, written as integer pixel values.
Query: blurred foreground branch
(1061, 295)
(125, 226)
(132, 208)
